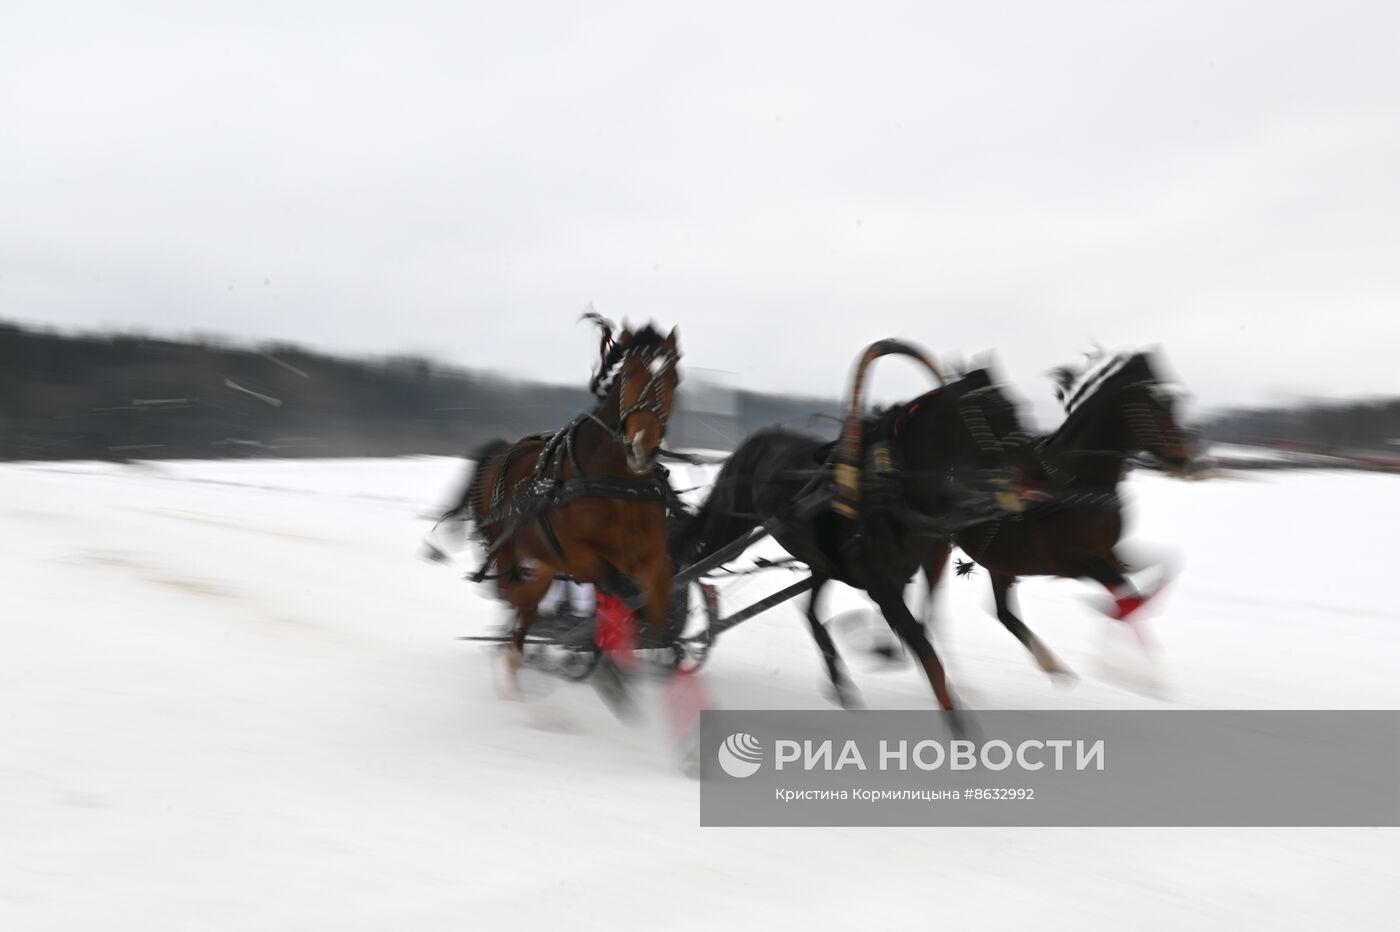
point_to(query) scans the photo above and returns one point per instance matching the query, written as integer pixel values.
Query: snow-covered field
(231, 697)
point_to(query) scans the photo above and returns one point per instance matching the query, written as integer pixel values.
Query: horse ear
(1142, 362)
(673, 339)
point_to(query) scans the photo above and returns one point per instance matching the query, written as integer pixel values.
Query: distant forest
(1356, 426)
(112, 396)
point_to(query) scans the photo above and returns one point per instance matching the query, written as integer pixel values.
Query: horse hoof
(1064, 677)
(612, 687)
(508, 690)
(846, 697)
(1050, 664)
(959, 724)
(507, 676)
(688, 754)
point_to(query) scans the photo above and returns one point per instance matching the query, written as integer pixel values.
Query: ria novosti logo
(740, 755)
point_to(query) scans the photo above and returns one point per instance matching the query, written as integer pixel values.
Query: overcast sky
(785, 181)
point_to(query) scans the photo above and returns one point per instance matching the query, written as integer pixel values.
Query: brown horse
(585, 501)
(1116, 407)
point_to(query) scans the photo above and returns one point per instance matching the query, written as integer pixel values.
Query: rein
(650, 400)
(1141, 425)
(546, 489)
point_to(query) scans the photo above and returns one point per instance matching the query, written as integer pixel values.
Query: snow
(231, 697)
(1251, 454)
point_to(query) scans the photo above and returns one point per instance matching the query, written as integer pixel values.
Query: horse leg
(509, 577)
(1126, 597)
(617, 600)
(620, 600)
(1006, 614)
(934, 566)
(1105, 571)
(841, 684)
(524, 595)
(1165, 570)
(656, 585)
(684, 693)
(890, 597)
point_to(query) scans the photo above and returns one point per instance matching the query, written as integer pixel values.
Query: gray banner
(1265, 768)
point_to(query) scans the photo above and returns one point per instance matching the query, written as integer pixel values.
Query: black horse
(1117, 407)
(930, 467)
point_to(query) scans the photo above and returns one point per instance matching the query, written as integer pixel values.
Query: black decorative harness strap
(547, 488)
(657, 361)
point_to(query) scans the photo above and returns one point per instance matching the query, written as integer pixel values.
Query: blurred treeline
(105, 396)
(1357, 427)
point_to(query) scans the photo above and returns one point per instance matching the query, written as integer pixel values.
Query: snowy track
(231, 698)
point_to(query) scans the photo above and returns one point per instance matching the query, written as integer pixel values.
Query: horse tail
(456, 517)
(726, 514)
(487, 452)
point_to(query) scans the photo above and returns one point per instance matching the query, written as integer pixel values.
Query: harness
(1145, 431)
(973, 408)
(546, 487)
(650, 400)
(1140, 421)
(883, 474)
(849, 452)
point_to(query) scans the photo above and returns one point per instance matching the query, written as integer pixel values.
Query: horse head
(639, 367)
(1124, 392)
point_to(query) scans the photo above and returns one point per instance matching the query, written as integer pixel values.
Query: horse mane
(611, 352)
(881, 416)
(1076, 384)
(1078, 387)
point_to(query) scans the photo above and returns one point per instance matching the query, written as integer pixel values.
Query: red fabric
(686, 698)
(1032, 492)
(616, 630)
(1126, 605)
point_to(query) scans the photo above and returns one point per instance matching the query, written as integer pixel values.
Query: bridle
(548, 486)
(1141, 422)
(1143, 429)
(658, 361)
(651, 400)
